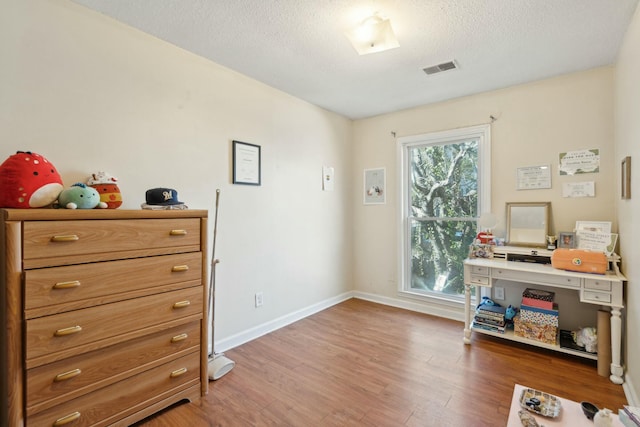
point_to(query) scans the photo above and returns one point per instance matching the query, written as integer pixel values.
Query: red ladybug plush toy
(28, 180)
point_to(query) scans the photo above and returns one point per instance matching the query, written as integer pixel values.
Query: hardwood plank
(360, 363)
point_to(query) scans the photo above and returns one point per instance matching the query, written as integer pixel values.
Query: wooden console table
(598, 289)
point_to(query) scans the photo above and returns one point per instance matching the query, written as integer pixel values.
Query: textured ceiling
(299, 46)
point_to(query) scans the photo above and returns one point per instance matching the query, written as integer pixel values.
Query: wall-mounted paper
(581, 161)
(579, 189)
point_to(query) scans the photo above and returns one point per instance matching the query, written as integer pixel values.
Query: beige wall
(627, 130)
(535, 122)
(91, 94)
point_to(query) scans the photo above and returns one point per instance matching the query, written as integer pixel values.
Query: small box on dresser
(105, 314)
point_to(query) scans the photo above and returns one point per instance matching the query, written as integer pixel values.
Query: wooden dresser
(103, 314)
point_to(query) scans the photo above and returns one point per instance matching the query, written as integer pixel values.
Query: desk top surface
(540, 269)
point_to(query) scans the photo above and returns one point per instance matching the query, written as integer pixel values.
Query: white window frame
(480, 132)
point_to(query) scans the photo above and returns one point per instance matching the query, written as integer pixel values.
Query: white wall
(91, 94)
(535, 122)
(627, 131)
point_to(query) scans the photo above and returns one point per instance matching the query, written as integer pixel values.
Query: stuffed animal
(28, 180)
(79, 196)
(106, 186)
(587, 338)
(510, 312)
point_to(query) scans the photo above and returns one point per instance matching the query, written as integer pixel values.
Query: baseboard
(630, 392)
(446, 311)
(265, 328)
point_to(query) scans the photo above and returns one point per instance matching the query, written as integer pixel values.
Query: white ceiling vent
(445, 66)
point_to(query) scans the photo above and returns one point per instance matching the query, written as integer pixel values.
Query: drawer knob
(67, 285)
(67, 331)
(66, 419)
(65, 238)
(67, 375)
(178, 233)
(179, 268)
(179, 337)
(182, 304)
(178, 372)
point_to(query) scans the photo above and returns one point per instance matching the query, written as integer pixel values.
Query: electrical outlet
(498, 293)
(259, 299)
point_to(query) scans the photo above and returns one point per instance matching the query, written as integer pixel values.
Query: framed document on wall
(246, 163)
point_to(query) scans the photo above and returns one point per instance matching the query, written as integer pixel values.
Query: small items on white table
(570, 415)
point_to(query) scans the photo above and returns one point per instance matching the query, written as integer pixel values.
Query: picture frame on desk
(567, 239)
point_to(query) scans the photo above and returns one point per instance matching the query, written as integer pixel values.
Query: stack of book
(629, 416)
(490, 318)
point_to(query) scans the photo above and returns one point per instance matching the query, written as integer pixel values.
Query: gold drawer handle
(179, 268)
(179, 337)
(67, 375)
(65, 238)
(67, 331)
(182, 304)
(178, 233)
(67, 285)
(66, 419)
(178, 372)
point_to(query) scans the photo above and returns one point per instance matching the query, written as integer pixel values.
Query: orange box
(580, 260)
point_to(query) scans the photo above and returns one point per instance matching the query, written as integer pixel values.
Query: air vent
(445, 66)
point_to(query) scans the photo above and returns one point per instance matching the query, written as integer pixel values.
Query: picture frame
(567, 239)
(246, 163)
(375, 186)
(625, 178)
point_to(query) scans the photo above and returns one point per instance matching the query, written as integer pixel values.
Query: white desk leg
(467, 314)
(616, 332)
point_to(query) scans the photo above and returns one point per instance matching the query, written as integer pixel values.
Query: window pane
(444, 180)
(443, 210)
(438, 249)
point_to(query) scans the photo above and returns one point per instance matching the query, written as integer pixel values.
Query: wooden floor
(365, 364)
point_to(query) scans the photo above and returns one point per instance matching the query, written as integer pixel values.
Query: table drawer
(118, 400)
(54, 383)
(79, 331)
(477, 269)
(65, 288)
(598, 284)
(596, 297)
(480, 280)
(48, 239)
(528, 277)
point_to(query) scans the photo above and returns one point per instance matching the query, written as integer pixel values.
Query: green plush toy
(80, 196)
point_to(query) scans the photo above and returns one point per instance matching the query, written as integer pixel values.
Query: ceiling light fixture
(373, 34)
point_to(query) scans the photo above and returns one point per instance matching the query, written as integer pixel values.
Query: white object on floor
(219, 366)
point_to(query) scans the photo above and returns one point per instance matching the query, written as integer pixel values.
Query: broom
(219, 365)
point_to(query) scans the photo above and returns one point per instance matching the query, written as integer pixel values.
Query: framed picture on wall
(374, 186)
(567, 240)
(246, 163)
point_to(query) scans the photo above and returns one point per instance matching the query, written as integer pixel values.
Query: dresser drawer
(79, 331)
(51, 384)
(121, 399)
(60, 239)
(78, 286)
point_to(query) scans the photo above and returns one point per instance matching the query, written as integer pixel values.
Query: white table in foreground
(599, 289)
(570, 415)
